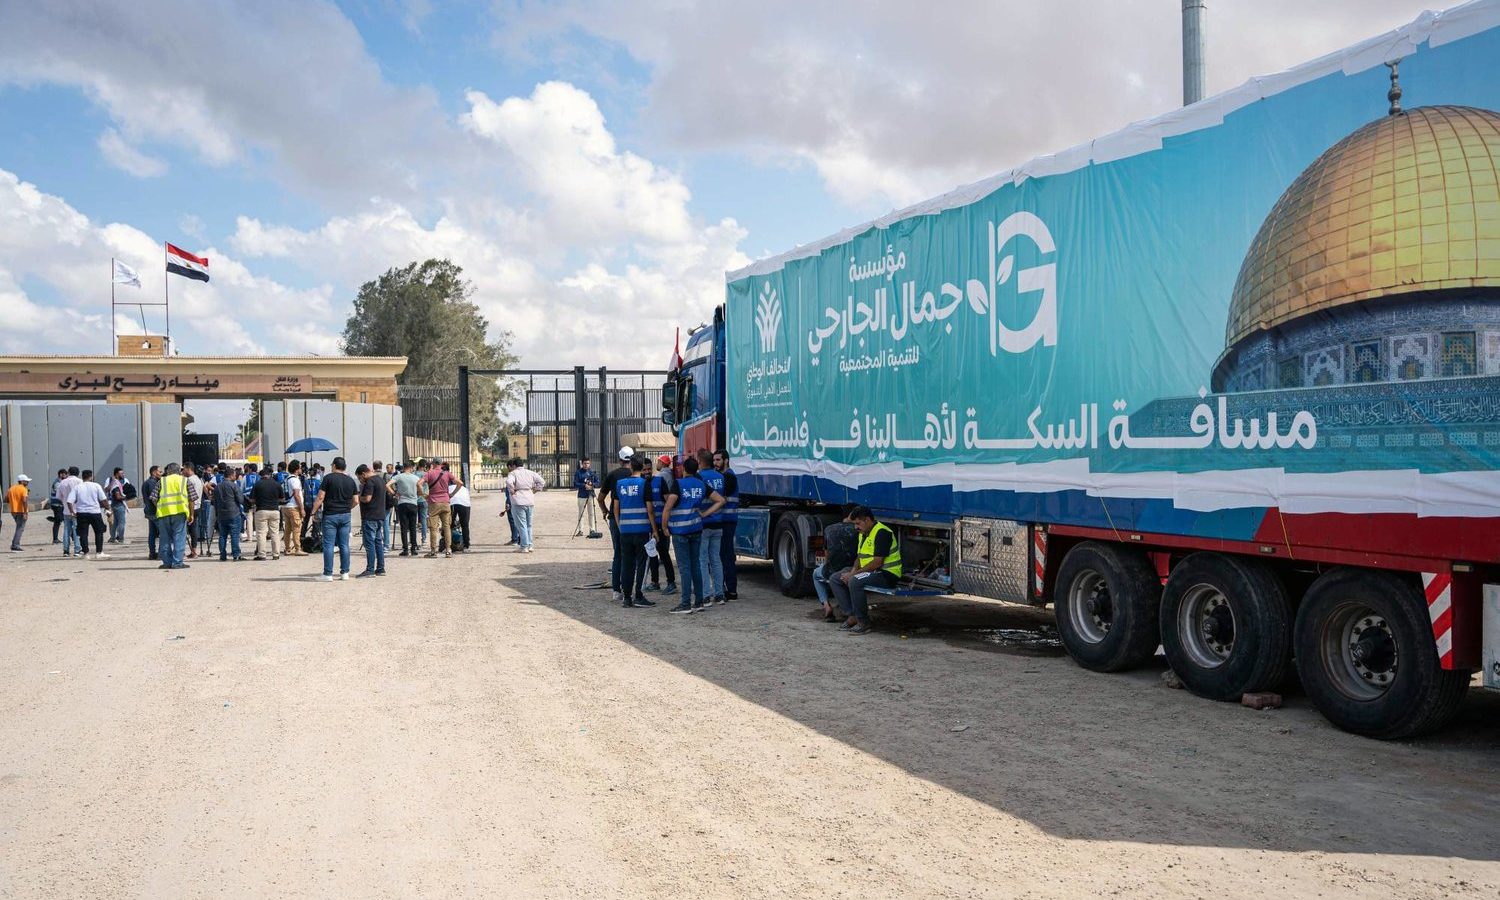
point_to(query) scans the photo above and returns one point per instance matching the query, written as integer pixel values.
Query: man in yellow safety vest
(878, 564)
(175, 502)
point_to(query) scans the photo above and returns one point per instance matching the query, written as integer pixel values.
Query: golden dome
(1407, 203)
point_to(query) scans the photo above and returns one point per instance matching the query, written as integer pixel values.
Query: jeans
(726, 557)
(614, 565)
(689, 550)
(390, 526)
(94, 521)
(632, 561)
(152, 532)
(407, 514)
(117, 527)
(229, 531)
(267, 531)
(173, 546)
(820, 583)
(72, 540)
(523, 525)
(662, 558)
(712, 570)
(335, 534)
(439, 527)
(15, 541)
(851, 596)
(422, 519)
(510, 521)
(461, 522)
(201, 524)
(373, 533)
(57, 518)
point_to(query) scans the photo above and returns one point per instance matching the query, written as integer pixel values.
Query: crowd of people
(655, 517)
(290, 509)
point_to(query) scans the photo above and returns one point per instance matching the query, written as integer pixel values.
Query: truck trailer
(1224, 383)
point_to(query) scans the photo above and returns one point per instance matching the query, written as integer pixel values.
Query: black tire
(1226, 626)
(1106, 607)
(1367, 658)
(789, 559)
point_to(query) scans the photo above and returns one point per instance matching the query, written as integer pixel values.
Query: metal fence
(569, 413)
(431, 420)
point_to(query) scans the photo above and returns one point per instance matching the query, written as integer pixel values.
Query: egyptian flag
(181, 262)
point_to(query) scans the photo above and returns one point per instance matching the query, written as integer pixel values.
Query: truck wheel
(789, 554)
(1106, 607)
(1226, 626)
(1367, 658)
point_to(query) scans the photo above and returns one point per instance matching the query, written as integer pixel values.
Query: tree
(422, 311)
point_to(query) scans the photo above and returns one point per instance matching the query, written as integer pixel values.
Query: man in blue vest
(713, 532)
(687, 499)
(729, 521)
(631, 512)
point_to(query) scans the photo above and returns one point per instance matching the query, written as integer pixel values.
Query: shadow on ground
(977, 697)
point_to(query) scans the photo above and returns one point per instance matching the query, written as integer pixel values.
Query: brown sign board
(179, 385)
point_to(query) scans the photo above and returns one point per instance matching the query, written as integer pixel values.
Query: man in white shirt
(88, 502)
(114, 489)
(71, 537)
(523, 484)
(291, 510)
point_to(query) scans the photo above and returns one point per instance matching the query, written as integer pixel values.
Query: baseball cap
(626, 453)
(664, 459)
(23, 478)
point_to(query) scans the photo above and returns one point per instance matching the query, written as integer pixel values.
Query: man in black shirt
(266, 496)
(336, 500)
(606, 494)
(372, 504)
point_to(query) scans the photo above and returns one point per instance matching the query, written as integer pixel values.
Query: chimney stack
(1194, 68)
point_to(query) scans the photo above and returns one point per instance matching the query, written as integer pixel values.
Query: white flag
(126, 275)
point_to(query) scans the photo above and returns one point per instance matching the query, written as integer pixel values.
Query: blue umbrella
(311, 445)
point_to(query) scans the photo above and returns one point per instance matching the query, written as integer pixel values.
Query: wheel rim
(786, 555)
(1205, 625)
(1090, 608)
(1359, 651)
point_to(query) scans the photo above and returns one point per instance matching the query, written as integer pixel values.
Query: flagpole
(166, 296)
(114, 346)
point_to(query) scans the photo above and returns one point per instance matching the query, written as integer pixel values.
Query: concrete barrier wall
(363, 432)
(41, 438)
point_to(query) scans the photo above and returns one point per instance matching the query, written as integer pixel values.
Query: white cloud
(287, 86)
(49, 248)
(128, 158)
(890, 106)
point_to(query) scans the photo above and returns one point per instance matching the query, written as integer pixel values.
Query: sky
(595, 167)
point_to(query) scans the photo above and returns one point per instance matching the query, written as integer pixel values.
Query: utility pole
(1194, 65)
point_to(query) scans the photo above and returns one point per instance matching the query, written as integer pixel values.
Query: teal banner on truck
(1298, 305)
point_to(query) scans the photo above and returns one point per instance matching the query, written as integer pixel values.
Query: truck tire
(789, 558)
(1106, 607)
(1226, 626)
(1367, 658)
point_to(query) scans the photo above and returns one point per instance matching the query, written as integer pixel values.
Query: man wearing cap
(18, 500)
(606, 494)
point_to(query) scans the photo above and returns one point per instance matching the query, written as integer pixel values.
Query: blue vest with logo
(690, 493)
(731, 510)
(631, 492)
(715, 481)
(658, 496)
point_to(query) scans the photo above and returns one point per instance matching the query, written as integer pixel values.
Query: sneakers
(327, 577)
(670, 588)
(617, 596)
(99, 556)
(732, 595)
(343, 576)
(430, 554)
(380, 571)
(447, 554)
(651, 588)
(642, 601)
(861, 628)
(368, 573)
(681, 608)
(721, 600)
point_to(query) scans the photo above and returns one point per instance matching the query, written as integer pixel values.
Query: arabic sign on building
(183, 385)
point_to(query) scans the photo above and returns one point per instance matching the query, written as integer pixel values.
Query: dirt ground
(479, 726)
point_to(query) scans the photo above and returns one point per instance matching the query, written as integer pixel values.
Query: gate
(430, 420)
(573, 413)
(202, 450)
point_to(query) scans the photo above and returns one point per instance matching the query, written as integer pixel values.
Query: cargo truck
(1225, 383)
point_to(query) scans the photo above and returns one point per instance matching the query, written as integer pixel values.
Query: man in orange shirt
(18, 499)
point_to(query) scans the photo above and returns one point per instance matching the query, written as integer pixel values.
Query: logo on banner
(768, 317)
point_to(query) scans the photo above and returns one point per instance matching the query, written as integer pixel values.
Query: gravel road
(480, 726)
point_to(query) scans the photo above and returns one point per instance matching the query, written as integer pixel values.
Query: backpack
(129, 491)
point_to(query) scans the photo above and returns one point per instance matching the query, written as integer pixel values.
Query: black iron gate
(430, 421)
(572, 413)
